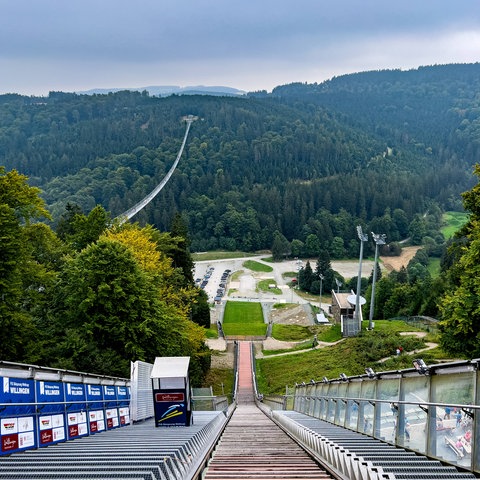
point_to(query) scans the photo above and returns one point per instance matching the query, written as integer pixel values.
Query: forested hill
(307, 160)
(426, 106)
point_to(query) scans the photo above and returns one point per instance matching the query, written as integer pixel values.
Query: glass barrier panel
(453, 441)
(318, 391)
(387, 391)
(366, 409)
(413, 414)
(332, 404)
(341, 404)
(351, 420)
(341, 412)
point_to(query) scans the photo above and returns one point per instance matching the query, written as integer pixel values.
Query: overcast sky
(74, 45)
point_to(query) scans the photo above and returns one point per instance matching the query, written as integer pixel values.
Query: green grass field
(453, 221)
(244, 318)
(264, 286)
(257, 266)
(206, 256)
(351, 356)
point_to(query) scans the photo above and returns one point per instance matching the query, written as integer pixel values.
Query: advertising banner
(96, 421)
(75, 397)
(51, 429)
(170, 408)
(77, 424)
(111, 406)
(76, 410)
(111, 415)
(16, 434)
(51, 419)
(96, 413)
(123, 399)
(20, 393)
(51, 395)
(17, 421)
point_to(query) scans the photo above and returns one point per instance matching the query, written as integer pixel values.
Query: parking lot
(244, 286)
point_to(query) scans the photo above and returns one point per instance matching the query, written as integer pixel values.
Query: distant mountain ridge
(166, 90)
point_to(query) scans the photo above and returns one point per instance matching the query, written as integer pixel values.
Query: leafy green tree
(201, 309)
(19, 205)
(337, 248)
(181, 256)
(65, 224)
(417, 230)
(306, 277)
(112, 313)
(88, 228)
(280, 247)
(312, 246)
(460, 323)
(297, 247)
(324, 267)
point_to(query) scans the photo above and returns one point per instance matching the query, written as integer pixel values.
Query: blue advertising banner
(17, 391)
(94, 397)
(75, 397)
(111, 410)
(17, 422)
(51, 420)
(110, 396)
(48, 393)
(123, 399)
(170, 408)
(96, 413)
(123, 395)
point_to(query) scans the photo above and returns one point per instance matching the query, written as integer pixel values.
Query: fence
(41, 406)
(430, 410)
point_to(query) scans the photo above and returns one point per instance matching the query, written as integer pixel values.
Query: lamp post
(379, 239)
(363, 238)
(321, 277)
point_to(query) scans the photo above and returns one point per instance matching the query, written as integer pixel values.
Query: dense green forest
(307, 160)
(294, 171)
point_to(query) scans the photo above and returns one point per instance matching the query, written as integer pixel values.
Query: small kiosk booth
(171, 391)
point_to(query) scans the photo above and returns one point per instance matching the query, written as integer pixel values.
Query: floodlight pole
(379, 239)
(321, 277)
(363, 238)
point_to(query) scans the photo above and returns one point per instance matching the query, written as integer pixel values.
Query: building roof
(170, 367)
(342, 301)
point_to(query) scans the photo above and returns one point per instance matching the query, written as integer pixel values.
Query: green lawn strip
(303, 335)
(211, 332)
(264, 286)
(221, 380)
(210, 256)
(257, 266)
(292, 333)
(243, 318)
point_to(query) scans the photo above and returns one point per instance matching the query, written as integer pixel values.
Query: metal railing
(432, 411)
